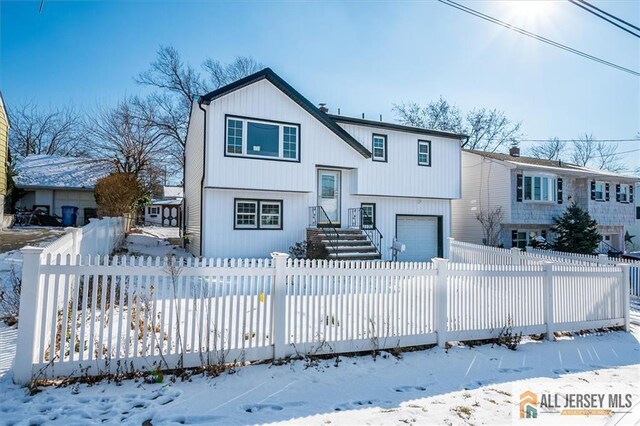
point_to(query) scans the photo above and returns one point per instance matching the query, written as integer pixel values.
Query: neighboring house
(4, 150)
(265, 168)
(532, 191)
(633, 244)
(52, 181)
(166, 211)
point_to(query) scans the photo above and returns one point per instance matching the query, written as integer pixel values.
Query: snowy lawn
(154, 241)
(463, 385)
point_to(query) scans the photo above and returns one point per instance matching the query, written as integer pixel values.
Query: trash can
(69, 215)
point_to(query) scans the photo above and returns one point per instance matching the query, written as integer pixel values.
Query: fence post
(75, 247)
(625, 283)
(278, 304)
(442, 265)
(96, 240)
(603, 259)
(515, 256)
(548, 298)
(30, 314)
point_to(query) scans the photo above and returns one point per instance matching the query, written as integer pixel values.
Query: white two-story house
(265, 168)
(531, 192)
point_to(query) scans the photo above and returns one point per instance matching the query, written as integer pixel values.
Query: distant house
(52, 181)
(532, 191)
(265, 168)
(166, 211)
(632, 234)
(4, 149)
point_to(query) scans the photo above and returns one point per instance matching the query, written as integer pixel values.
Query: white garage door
(419, 234)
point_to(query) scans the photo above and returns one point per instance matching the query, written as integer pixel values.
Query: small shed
(165, 212)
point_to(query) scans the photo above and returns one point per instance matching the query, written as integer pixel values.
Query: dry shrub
(117, 194)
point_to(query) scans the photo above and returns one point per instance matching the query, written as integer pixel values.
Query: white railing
(119, 314)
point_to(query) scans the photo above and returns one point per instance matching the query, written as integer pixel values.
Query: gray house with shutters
(531, 192)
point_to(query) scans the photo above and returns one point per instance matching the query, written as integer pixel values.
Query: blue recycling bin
(69, 215)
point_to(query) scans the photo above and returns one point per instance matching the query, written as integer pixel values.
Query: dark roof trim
(393, 126)
(277, 81)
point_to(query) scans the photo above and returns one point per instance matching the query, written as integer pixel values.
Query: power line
(587, 7)
(535, 36)
(571, 140)
(609, 15)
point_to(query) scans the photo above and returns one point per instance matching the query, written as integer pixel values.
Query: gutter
(204, 163)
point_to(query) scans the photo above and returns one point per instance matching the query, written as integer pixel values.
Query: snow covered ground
(154, 241)
(461, 385)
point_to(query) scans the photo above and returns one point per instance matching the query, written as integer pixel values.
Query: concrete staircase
(350, 244)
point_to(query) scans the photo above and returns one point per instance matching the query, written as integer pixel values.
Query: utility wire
(571, 140)
(609, 15)
(535, 36)
(593, 12)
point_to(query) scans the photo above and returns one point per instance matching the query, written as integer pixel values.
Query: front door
(329, 197)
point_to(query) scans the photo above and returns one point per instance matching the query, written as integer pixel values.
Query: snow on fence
(121, 314)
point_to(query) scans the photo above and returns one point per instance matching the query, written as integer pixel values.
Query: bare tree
(491, 222)
(488, 129)
(49, 131)
(607, 158)
(552, 149)
(583, 150)
(126, 134)
(177, 84)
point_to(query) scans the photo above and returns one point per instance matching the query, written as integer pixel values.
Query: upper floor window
(539, 188)
(600, 191)
(379, 147)
(262, 139)
(623, 194)
(424, 153)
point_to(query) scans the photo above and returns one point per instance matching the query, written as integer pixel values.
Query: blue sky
(359, 56)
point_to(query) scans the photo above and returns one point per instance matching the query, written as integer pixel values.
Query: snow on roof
(172, 192)
(54, 171)
(167, 202)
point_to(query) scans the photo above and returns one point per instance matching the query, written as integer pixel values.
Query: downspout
(204, 164)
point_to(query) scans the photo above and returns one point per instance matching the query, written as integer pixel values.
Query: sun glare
(530, 11)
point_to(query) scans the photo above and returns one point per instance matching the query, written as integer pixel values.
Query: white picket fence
(96, 315)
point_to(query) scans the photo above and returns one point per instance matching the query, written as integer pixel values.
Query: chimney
(514, 151)
(323, 108)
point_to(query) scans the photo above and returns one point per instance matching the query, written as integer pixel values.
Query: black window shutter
(514, 238)
(618, 192)
(519, 188)
(559, 190)
(631, 193)
(543, 234)
(593, 189)
(606, 191)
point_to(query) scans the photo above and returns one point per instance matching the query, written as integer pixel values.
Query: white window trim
(245, 135)
(236, 225)
(384, 147)
(154, 210)
(626, 187)
(552, 188)
(603, 192)
(428, 145)
(279, 215)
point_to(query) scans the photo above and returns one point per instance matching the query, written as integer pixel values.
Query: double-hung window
(540, 188)
(379, 147)
(424, 153)
(624, 194)
(600, 191)
(253, 138)
(258, 214)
